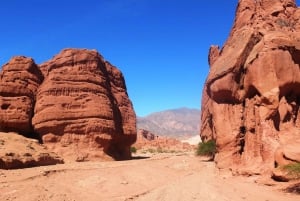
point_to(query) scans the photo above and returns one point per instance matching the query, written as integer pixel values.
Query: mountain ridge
(179, 122)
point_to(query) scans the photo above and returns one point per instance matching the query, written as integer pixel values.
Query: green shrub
(133, 149)
(293, 169)
(206, 148)
(151, 150)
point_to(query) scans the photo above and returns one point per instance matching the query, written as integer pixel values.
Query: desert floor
(169, 177)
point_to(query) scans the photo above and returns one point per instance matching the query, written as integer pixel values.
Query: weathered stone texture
(76, 104)
(251, 99)
(17, 151)
(82, 107)
(19, 80)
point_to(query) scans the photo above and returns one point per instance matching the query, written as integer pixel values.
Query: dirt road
(159, 178)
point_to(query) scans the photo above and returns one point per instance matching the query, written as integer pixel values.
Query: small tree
(207, 148)
(133, 149)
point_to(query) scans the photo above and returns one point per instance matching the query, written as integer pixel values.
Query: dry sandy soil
(169, 177)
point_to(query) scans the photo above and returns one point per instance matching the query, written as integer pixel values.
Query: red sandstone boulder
(19, 80)
(251, 99)
(82, 109)
(76, 104)
(17, 151)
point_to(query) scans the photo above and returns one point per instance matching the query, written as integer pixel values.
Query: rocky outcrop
(16, 151)
(19, 80)
(76, 104)
(251, 99)
(147, 141)
(82, 109)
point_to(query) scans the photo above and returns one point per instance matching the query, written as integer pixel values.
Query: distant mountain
(179, 123)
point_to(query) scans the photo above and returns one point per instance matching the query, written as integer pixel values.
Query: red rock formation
(17, 151)
(82, 109)
(148, 141)
(76, 103)
(251, 99)
(19, 80)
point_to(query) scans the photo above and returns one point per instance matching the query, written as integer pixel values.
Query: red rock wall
(251, 98)
(81, 109)
(19, 80)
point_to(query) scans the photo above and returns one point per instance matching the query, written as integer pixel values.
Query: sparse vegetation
(206, 148)
(151, 151)
(159, 150)
(133, 149)
(293, 170)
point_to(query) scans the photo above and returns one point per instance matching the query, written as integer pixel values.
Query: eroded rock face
(76, 104)
(16, 151)
(19, 80)
(250, 103)
(82, 109)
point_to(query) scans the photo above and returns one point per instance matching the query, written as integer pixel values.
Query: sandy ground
(181, 177)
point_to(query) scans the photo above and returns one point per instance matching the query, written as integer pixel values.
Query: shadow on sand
(139, 157)
(295, 188)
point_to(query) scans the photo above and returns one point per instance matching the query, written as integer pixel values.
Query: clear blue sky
(161, 46)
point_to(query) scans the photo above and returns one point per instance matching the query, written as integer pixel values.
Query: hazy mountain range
(179, 123)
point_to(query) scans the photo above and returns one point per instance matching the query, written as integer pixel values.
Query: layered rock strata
(17, 151)
(83, 106)
(19, 81)
(76, 104)
(251, 99)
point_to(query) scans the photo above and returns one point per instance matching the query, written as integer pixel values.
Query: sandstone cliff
(251, 99)
(76, 103)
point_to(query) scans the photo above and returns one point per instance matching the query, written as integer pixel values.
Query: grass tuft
(206, 148)
(293, 169)
(133, 149)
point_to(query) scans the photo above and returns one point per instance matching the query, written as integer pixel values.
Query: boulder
(82, 109)
(17, 151)
(76, 104)
(251, 98)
